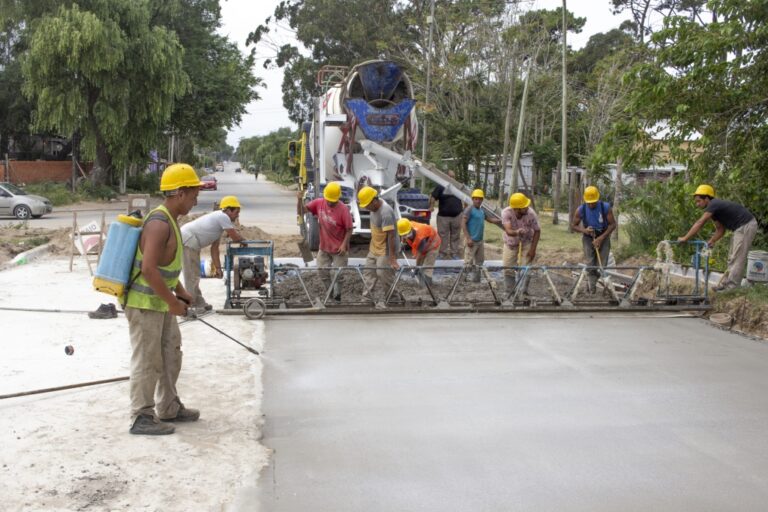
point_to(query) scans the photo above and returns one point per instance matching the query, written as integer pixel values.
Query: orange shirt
(426, 239)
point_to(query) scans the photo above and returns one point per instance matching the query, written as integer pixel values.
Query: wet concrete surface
(576, 413)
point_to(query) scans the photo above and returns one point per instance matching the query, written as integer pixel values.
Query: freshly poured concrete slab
(498, 413)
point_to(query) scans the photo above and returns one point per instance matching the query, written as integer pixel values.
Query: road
(512, 412)
(264, 204)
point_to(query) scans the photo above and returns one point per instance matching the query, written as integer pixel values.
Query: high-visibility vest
(140, 293)
(423, 231)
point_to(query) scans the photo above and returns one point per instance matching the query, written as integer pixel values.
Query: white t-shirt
(205, 230)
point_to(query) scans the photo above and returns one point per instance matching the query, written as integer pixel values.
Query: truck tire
(312, 232)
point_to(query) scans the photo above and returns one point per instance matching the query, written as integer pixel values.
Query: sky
(240, 17)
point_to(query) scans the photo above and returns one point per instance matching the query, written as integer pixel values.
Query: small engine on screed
(251, 273)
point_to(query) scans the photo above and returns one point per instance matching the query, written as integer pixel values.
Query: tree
(707, 84)
(102, 68)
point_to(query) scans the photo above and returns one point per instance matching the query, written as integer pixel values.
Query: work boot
(336, 294)
(104, 311)
(474, 277)
(147, 425)
(184, 414)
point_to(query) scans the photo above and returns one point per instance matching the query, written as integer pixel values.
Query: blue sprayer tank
(116, 261)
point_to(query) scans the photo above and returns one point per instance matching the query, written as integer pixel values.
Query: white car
(14, 201)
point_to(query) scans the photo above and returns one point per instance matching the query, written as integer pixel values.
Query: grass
(757, 294)
(553, 237)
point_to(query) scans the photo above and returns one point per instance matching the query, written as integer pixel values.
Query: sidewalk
(71, 450)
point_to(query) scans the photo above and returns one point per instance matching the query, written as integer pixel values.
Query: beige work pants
(449, 229)
(191, 271)
(474, 255)
(326, 259)
(429, 261)
(509, 258)
(377, 269)
(741, 242)
(155, 362)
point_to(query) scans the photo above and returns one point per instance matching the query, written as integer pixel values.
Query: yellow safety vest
(140, 294)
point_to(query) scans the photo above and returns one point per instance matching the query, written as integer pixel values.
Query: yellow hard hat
(705, 190)
(178, 176)
(332, 191)
(366, 195)
(403, 227)
(478, 193)
(229, 202)
(591, 194)
(518, 200)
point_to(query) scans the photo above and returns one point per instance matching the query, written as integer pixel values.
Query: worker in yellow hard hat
(473, 226)
(381, 261)
(595, 220)
(203, 232)
(725, 215)
(424, 242)
(335, 226)
(153, 299)
(521, 237)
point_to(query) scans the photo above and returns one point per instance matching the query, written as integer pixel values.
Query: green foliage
(103, 68)
(89, 190)
(144, 183)
(58, 193)
(268, 154)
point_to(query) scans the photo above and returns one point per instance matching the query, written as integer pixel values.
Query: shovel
(306, 253)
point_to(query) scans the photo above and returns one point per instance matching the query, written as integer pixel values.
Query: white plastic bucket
(205, 268)
(757, 266)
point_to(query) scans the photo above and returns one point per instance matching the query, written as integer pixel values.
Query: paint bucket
(206, 269)
(757, 261)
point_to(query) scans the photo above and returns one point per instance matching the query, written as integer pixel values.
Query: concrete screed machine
(363, 131)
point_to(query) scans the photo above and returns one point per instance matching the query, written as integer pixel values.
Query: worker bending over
(202, 232)
(725, 215)
(595, 220)
(335, 224)
(473, 226)
(424, 243)
(381, 261)
(521, 237)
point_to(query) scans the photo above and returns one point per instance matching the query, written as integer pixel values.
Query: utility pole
(431, 21)
(564, 133)
(520, 125)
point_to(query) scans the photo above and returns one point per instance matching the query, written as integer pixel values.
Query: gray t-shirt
(205, 230)
(383, 220)
(729, 214)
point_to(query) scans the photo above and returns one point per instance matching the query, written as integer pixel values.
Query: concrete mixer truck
(363, 131)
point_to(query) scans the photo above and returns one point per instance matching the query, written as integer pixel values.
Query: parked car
(238, 169)
(209, 183)
(15, 201)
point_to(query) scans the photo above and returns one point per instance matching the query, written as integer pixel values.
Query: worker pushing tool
(473, 226)
(424, 242)
(595, 220)
(335, 224)
(521, 237)
(202, 232)
(725, 215)
(153, 300)
(381, 261)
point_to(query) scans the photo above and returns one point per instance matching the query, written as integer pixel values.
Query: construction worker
(424, 242)
(335, 224)
(202, 232)
(725, 215)
(381, 261)
(595, 220)
(473, 226)
(449, 220)
(521, 237)
(153, 300)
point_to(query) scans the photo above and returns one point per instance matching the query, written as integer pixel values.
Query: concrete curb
(28, 256)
